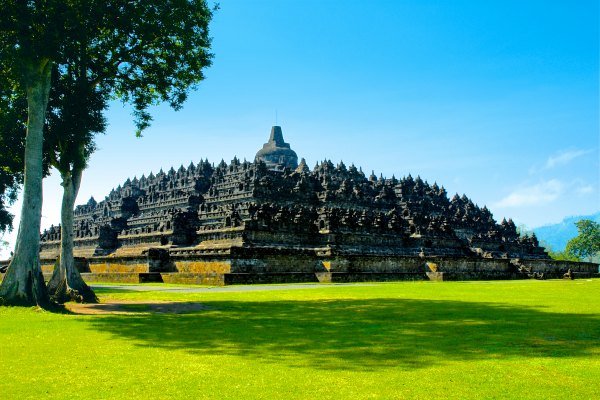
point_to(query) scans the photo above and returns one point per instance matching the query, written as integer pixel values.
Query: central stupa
(277, 152)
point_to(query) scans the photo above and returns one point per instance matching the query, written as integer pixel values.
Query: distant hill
(557, 235)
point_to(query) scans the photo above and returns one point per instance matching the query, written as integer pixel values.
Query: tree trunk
(66, 283)
(24, 283)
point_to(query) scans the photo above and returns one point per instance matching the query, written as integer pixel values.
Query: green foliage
(562, 255)
(13, 117)
(587, 243)
(75, 116)
(403, 340)
(142, 52)
(558, 255)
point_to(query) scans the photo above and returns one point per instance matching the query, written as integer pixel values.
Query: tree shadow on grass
(363, 334)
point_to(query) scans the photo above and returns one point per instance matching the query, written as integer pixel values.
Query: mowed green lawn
(426, 340)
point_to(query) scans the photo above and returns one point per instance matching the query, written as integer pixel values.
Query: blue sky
(495, 99)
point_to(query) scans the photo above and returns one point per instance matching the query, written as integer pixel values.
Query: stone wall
(235, 265)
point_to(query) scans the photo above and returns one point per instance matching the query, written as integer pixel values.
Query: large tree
(587, 243)
(29, 33)
(141, 51)
(75, 116)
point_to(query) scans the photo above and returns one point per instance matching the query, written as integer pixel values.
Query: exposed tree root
(24, 289)
(69, 286)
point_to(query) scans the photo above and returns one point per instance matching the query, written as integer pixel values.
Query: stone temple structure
(276, 220)
(276, 152)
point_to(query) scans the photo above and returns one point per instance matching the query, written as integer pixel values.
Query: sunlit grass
(521, 339)
(148, 284)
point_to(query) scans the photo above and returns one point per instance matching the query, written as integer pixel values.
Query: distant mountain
(557, 235)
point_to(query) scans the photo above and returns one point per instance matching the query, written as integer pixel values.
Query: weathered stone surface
(277, 219)
(276, 152)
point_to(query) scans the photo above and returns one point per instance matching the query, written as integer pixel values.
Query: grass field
(425, 340)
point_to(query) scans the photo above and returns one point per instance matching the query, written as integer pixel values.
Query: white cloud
(583, 190)
(542, 193)
(565, 157)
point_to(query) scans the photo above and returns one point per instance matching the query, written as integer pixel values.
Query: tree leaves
(587, 243)
(142, 52)
(13, 117)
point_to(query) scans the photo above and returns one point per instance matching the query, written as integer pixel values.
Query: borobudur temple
(276, 220)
